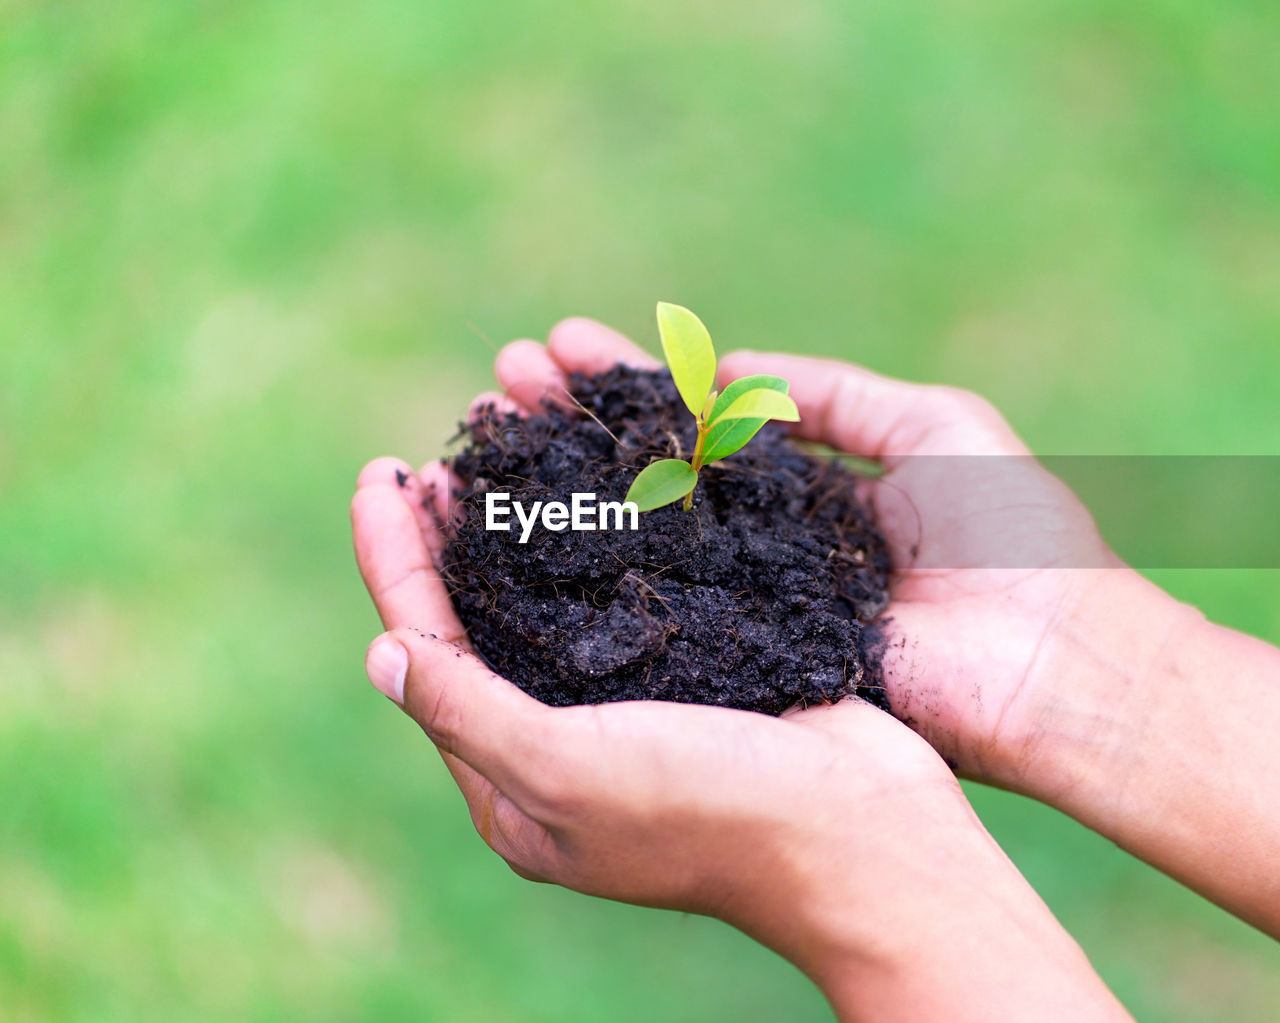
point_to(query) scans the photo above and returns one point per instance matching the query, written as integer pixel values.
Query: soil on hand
(761, 597)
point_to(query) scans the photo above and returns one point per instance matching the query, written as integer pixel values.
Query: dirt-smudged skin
(760, 598)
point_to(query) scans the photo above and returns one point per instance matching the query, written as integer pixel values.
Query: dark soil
(760, 598)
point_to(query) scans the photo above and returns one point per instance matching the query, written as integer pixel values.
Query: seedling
(726, 419)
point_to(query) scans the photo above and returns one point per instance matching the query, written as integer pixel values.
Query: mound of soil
(760, 598)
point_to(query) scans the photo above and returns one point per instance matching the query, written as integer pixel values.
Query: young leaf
(761, 403)
(727, 436)
(708, 406)
(737, 388)
(689, 353)
(661, 482)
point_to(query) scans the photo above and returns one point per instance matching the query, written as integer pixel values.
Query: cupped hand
(715, 811)
(986, 616)
(834, 835)
(987, 547)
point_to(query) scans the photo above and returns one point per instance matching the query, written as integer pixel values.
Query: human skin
(712, 810)
(1087, 688)
(1069, 678)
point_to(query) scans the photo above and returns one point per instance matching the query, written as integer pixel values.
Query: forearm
(979, 946)
(991, 963)
(950, 930)
(1164, 735)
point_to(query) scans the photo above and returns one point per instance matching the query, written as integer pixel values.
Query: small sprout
(726, 419)
(661, 482)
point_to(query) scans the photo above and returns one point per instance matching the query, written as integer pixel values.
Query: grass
(245, 246)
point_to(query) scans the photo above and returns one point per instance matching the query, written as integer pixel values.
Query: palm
(982, 534)
(985, 538)
(732, 755)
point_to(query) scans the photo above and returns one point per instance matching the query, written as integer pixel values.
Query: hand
(982, 660)
(1064, 674)
(834, 835)
(989, 600)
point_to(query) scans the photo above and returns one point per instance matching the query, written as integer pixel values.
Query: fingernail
(388, 664)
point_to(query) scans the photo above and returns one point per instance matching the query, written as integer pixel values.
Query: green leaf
(727, 436)
(737, 388)
(762, 403)
(689, 353)
(661, 482)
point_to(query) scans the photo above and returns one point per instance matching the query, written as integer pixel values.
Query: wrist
(1091, 691)
(1161, 738)
(951, 930)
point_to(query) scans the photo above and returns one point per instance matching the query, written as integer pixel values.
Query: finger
(466, 710)
(844, 719)
(493, 401)
(867, 414)
(395, 563)
(440, 484)
(396, 471)
(585, 346)
(529, 375)
(441, 489)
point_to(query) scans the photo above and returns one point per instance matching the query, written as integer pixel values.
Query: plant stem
(696, 462)
(697, 448)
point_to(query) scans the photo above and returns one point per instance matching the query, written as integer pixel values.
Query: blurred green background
(246, 246)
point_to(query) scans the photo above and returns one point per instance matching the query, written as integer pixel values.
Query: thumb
(864, 413)
(464, 708)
